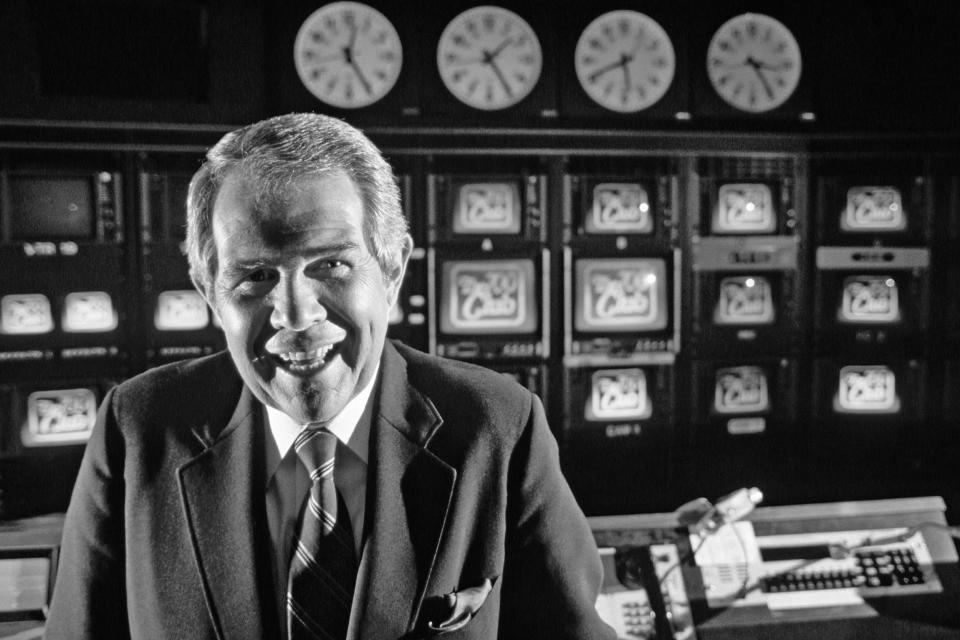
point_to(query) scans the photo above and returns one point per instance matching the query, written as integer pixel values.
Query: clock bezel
(635, 16)
(318, 15)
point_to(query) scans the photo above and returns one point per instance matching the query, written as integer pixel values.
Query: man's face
(302, 301)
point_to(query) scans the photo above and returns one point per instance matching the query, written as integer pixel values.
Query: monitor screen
(744, 300)
(744, 208)
(618, 394)
(620, 295)
(870, 390)
(488, 297)
(487, 208)
(59, 417)
(25, 314)
(88, 312)
(50, 207)
(619, 207)
(182, 310)
(873, 209)
(869, 299)
(739, 390)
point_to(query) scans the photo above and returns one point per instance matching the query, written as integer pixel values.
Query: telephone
(643, 593)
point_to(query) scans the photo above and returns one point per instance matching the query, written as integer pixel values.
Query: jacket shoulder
(189, 387)
(462, 389)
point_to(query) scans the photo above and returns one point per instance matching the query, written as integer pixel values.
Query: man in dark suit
(186, 515)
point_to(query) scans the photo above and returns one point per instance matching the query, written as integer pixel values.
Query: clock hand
(756, 66)
(361, 77)
(499, 74)
(493, 54)
(622, 62)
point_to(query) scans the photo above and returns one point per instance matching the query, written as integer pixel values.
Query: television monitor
(744, 426)
(619, 400)
(475, 206)
(78, 206)
(180, 310)
(618, 208)
(51, 208)
(744, 208)
(869, 202)
(744, 300)
(866, 390)
(489, 307)
(618, 395)
(88, 312)
(873, 209)
(487, 208)
(741, 390)
(488, 297)
(619, 433)
(745, 295)
(163, 205)
(25, 314)
(616, 295)
(869, 296)
(60, 416)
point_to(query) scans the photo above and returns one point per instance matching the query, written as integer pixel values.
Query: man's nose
(296, 304)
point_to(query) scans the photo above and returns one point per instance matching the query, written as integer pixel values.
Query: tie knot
(316, 448)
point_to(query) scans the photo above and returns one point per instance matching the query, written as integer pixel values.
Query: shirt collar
(344, 425)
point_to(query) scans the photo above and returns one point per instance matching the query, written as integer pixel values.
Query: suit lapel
(408, 495)
(218, 493)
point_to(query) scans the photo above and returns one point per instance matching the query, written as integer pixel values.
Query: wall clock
(624, 61)
(489, 58)
(348, 54)
(753, 62)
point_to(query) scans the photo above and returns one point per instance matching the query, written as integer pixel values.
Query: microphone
(730, 508)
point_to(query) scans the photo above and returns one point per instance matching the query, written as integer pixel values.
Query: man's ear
(207, 295)
(395, 279)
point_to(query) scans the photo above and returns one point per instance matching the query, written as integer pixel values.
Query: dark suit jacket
(166, 532)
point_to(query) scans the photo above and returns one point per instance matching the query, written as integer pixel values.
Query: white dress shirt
(288, 483)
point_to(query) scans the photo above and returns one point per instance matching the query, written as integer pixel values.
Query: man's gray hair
(271, 155)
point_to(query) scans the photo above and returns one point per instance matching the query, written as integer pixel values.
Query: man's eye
(258, 276)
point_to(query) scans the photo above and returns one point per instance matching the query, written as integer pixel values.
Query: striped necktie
(323, 569)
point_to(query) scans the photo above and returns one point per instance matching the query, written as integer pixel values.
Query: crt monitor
(744, 208)
(620, 295)
(51, 208)
(484, 297)
(88, 312)
(25, 314)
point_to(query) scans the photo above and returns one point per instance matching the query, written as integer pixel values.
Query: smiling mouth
(304, 362)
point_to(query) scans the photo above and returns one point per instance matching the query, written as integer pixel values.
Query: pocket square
(460, 607)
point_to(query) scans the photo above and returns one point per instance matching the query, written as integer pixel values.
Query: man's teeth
(305, 356)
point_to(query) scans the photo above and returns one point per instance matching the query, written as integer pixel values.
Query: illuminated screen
(61, 416)
(744, 208)
(867, 390)
(741, 390)
(621, 294)
(619, 208)
(868, 299)
(42, 208)
(88, 312)
(871, 209)
(618, 394)
(487, 208)
(744, 300)
(181, 311)
(25, 314)
(488, 296)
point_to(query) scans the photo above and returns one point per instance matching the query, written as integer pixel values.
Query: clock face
(489, 58)
(625, 61)
(754, 62)
(348, 54)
